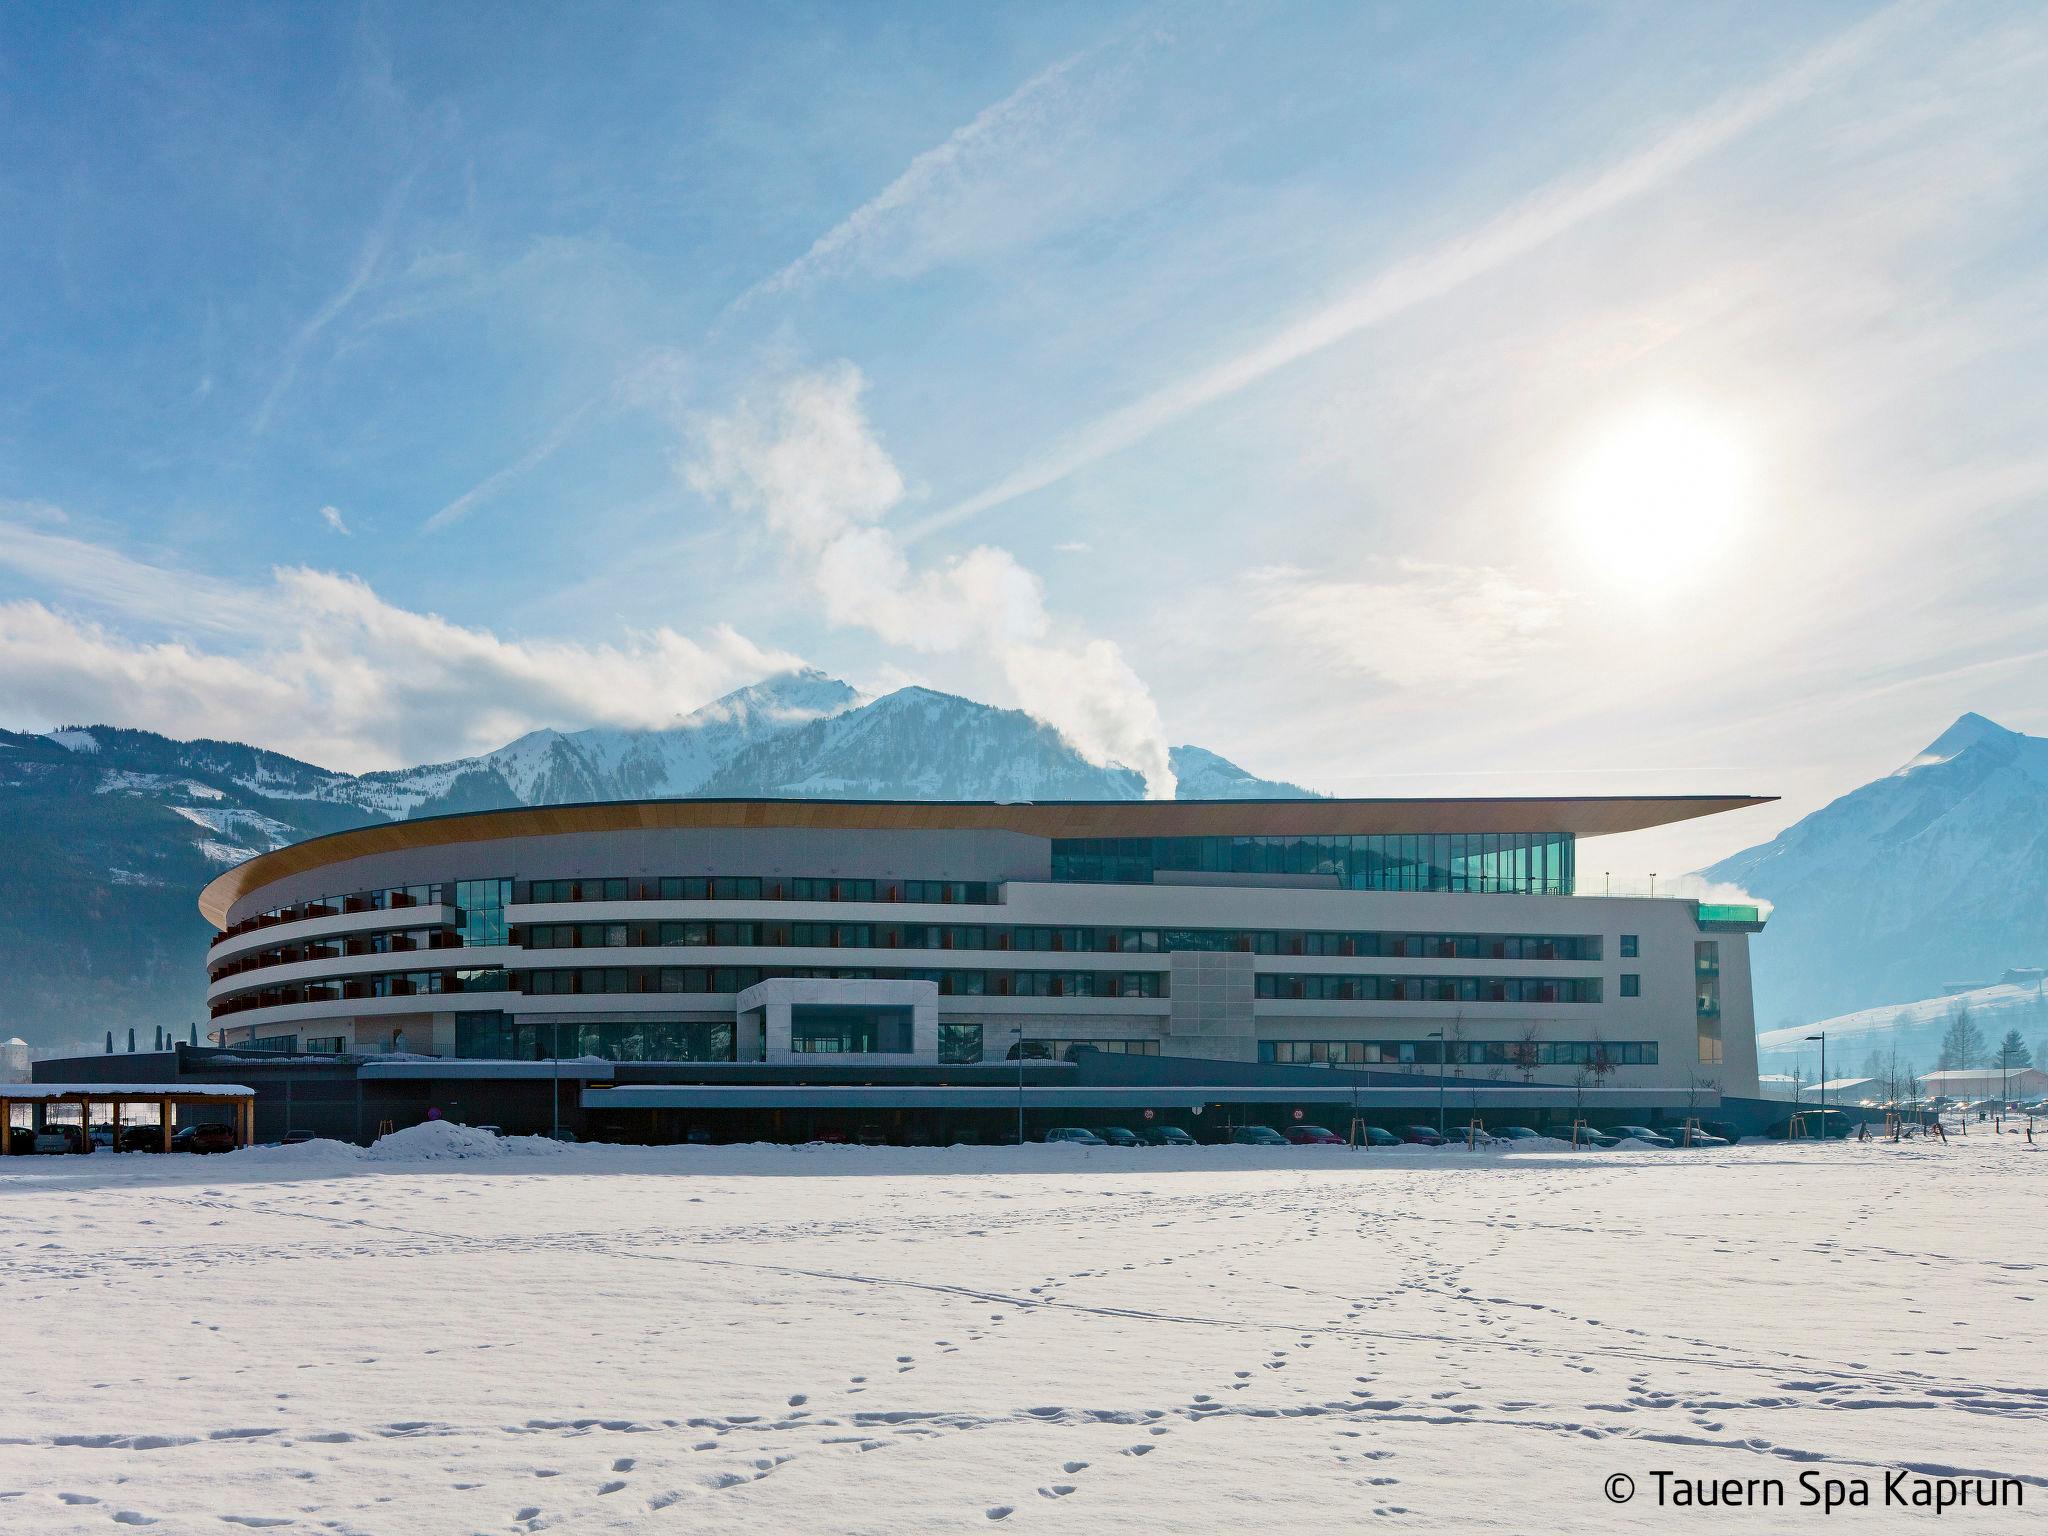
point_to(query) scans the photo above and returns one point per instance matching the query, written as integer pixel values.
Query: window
(959, 1044)
(1629, 946)
(329, 1045)
(840, 1029)
(1631, 984)
(1706, 964)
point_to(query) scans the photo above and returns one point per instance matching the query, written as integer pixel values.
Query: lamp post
(1438, 1035)
(1822, 1037)
(1019, 1032)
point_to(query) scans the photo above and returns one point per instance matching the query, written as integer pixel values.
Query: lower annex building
(773, 955)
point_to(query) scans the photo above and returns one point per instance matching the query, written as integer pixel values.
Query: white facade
(1436, 981)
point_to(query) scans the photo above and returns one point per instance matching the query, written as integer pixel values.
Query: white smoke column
(803, 458)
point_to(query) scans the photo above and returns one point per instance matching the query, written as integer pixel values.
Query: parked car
(1073, 1135)
(142, 1138)
(1700, 1137)
(1722, 1129)
(700, 1136)
(495, 1130)
(1466, 1135)
(1589, 1137)
(871, 1136)
(820, 1138)
(1312, 1136)
(209, 1137)
(1117, 1136)
(296, 1138)
(1167, 1136)
(1518, 1133)
(1379, 1136)
(1421, 1136)
(1257, 1136)
(1640, 1133)
(103, 1136)
(59, 1138)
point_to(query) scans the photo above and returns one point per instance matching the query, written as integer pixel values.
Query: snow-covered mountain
(1933, 876)
(110, 833)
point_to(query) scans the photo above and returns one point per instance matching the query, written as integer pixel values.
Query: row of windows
(961, 1045)
(496, 1037)
(399, 943)
(757, 888)
(1524, 1055)
(484, 924)
(391, 898)
(1432, 989)
(1521, 862)
(354, 988)
(737, 978)
(1078, 940)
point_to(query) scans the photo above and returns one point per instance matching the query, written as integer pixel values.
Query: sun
(1658, 495)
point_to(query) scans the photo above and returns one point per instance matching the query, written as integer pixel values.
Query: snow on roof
(186, 1090)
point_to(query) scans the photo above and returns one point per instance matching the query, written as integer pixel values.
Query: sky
(1397, 399)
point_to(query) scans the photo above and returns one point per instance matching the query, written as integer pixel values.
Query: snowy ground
(845, 1339)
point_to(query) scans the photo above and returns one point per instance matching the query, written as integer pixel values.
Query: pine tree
(2013, 1053)
(1962, 1046)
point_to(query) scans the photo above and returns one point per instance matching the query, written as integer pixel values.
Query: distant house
(1985, 1083)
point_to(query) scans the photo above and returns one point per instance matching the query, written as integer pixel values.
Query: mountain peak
(1970, 730)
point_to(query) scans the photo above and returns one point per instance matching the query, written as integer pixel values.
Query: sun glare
(1657, 496)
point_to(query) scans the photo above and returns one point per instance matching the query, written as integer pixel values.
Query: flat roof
(1492, 1097)
(22, 1092)
(1579, 815)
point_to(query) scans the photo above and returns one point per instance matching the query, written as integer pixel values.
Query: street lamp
(1438, 1035)
(1822, 1037)
(1019, 1032)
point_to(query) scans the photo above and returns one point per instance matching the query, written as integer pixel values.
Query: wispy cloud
(650, 381)
(1416, 625)
(332, 517)
(939, 201)
(1542, 217)
(368, 255)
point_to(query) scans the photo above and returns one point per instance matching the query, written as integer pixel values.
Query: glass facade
(959, 1044)
(495, 1036)
(1477, 1053)
(722, 979)
(849, 1030)
(1540, 863)
(1061, 1049)
(1430, 989)
(755, 888)
(480, 910)
(775, 934)
(1706, 965)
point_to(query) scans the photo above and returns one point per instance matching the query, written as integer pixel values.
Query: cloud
(801, 456)
(1550, 212)
(332, 517)
(318, 665)
(1419, 626)
(369, 254)
(1012, 173)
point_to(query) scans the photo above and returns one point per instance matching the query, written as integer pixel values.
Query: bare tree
(1697, 1088)
(1526, 1053)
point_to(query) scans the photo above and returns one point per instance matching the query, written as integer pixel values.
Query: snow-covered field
(755, 1339)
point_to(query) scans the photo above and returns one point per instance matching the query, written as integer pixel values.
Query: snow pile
(438, 1140)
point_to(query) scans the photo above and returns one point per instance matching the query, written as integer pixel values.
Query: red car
(1313, 1136)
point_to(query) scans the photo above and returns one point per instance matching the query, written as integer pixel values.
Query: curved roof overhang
(1581, 816)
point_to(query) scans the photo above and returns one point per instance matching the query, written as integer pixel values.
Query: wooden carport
(166, 1096)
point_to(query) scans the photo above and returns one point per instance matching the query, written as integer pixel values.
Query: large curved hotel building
(795, 942)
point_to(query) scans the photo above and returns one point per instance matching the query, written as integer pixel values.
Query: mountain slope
(1932, 876)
